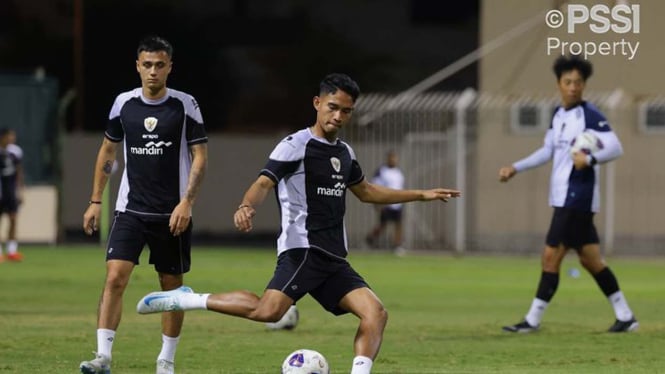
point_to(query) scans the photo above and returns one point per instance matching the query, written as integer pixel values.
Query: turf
(445, 312)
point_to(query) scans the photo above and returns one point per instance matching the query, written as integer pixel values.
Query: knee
(592, 265)
(379, 316)
(263, 314)
(383, 316)
(272, 316)
(267, 312)
(585, 262)
(551, 259)
(381, 319)
(115, 282)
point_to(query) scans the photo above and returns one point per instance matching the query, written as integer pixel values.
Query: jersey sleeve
(195, 130)
(594, 119)
(114, 131)
(538, 157)
(356, 176)
(284, 159)
(598, 125)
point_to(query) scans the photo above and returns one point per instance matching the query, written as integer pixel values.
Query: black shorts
(328, 279)
(8, 202)
(391, 215)
(572, 228)
(130, 233)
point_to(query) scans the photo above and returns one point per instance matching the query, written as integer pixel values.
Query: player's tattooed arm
(103, 169)
(197, 172)
(107, 168)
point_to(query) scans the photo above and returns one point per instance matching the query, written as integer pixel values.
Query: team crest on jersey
(336, 164)
(150, 123)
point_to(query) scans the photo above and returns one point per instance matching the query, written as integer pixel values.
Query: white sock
(12, 247)
(105, 339)
(620, 305)
(536, 312)
(192, 301)
(361, 365)
(169, 345)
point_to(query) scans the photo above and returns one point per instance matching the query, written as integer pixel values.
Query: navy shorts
(8, 202)
(328, 279)
(130, 233)
(391, 215)
(572, 228)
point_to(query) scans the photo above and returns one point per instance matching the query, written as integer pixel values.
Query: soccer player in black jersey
(164, 142)
(310, 171)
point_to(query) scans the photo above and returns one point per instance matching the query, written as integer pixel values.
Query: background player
(166, 157)
(391, 176)
(11, 180)
(574, 194)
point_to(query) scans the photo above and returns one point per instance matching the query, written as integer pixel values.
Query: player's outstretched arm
(373, 193)
(443, 194)
(257, 192)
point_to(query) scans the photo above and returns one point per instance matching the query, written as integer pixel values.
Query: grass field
(445, 317)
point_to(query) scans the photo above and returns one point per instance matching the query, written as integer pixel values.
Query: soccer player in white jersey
(165, 151)
(310, 171)
(574, 195)
(391, 176)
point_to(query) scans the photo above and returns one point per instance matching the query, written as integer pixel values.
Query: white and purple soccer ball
(586, 142)
(305, 361)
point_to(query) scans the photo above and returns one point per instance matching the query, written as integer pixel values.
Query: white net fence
(421, 132)
(441, 143)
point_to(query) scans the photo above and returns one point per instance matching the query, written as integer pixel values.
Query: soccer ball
(305, 361)
(288, 321)
(585, 142)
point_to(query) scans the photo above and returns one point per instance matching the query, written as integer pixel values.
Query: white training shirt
(578, 189)
(391, 178)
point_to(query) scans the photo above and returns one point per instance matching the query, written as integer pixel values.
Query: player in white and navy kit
(574, 194)
(11, 188)
(164, 146)
(391, 176)
(310, 171)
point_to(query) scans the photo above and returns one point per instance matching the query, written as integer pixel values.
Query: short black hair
(154, 43)
(573, 62)
(4, 131)
(337, 81)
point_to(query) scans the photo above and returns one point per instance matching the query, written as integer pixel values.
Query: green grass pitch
(445, 316)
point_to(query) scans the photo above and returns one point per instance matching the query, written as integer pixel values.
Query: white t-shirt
(391, 178)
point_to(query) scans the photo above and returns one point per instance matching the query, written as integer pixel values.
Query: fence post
(613, 102)
(463, 102)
